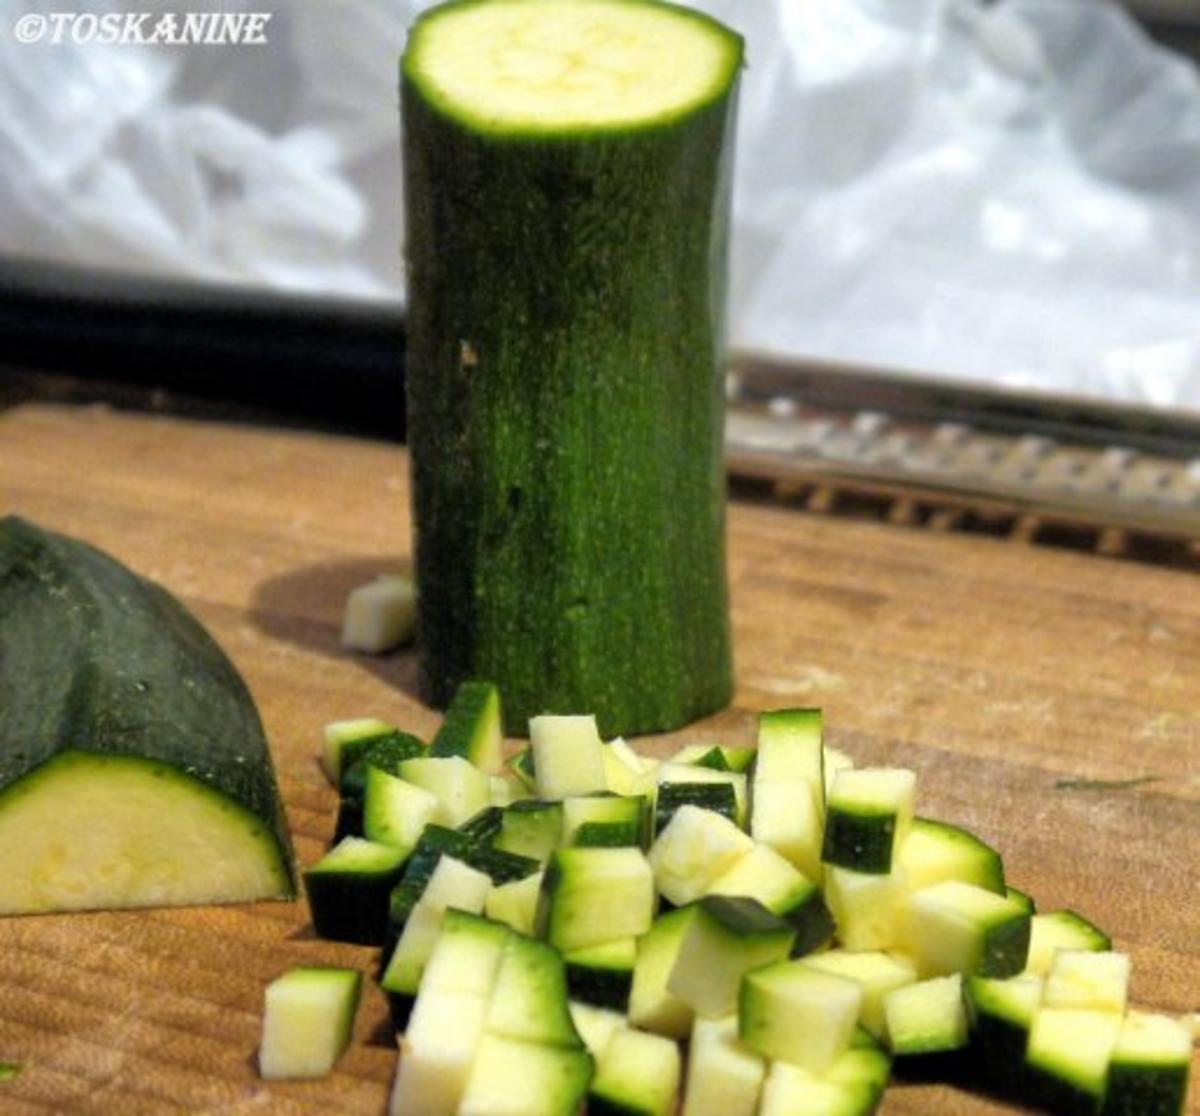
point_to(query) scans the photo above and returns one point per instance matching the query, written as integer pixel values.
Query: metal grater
(961, 450)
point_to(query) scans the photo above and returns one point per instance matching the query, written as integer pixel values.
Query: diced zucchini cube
(695, 849)
(1000, 1013)
(928, 1017)
(652, 1006)
(602, 974)
(1087, 979)
(793, 1013)
(725, 1076)
(338, 734)
(596, 1025)
(958, 927)
(1148, 1070)
(867, 817)
(472, 727)
(784, 890)
(437, 1053)
(1068, 1057)
(877, 972)
(307, 1020)
(590, 896)
(568, 756)
(790, 748)
(394, 811)
(691, 775)
(348, 890)
(785, 817)
(625, 772)
(515, 903)
(935, 851)
(717, 797)
(869, 909)
(636, 1075)
(512, 1077)
(530, 998)
(1055, 930)
(612, 820)
(792, 1091)
(451, 884)
(503, 791)
(461, 789)
(531, 828)
(835, 760)
(724, 940)
(466, 956)
(380, 615)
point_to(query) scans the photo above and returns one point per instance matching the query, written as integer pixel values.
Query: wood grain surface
(1015, 680)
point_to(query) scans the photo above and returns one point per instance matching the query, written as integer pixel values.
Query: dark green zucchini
(566, 286)
(133, 766)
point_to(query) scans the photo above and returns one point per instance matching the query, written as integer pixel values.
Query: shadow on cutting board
(304, 607)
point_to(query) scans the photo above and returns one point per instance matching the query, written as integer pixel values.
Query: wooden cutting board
(1027, 687)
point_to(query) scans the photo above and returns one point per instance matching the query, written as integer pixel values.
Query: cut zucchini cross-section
(308, 1017)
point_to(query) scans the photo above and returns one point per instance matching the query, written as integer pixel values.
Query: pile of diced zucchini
(561, 929)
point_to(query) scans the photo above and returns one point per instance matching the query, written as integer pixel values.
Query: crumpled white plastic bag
(1006, 193)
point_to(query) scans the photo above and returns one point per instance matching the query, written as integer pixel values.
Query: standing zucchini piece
(133, 767)
(567, 172)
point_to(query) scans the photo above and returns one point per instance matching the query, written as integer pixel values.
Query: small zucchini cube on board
(380, 615)
(793, 1013)
(693, 851)
(958, 927)
(437, 1053)
(451, 884)
(529, 1002)
(636, 1075)
(512, 1077)
(1000, 1013)
(337, 735)
(625, 771)
(515, 903)
(790, 748)
(1068, 1056)
(765, 875)
(531, 828)
(867, 817)
(1148, 1070)
(877, 972)
(471, 727)
(461, 789)
(606, 820)
(307, 1021)
(793, 1091)
(868, 909)
(1055, 930)
(927, 1027)
(592, 896)
(691, 775)
(596, 1025)
(395, 812)
(652, 1006)
(568, 756)
(1087, 979)
(348, 890)
(786, 817)
(466, 956)
(724, 1077)
(720, 798)
(602, 974)
(935, 851)
(725, 938)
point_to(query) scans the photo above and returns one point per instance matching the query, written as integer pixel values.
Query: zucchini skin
(94, 658)
(565, 401)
